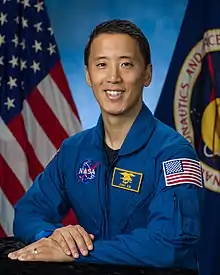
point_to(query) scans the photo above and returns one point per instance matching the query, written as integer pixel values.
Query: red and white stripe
(27, 143)
(192, 173)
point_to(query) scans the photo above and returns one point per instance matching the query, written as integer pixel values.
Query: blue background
(73, 21)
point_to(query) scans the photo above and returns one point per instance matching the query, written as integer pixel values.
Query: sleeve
(40, 211)
(172, 233)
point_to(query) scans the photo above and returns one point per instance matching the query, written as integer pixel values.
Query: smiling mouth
(114, 93)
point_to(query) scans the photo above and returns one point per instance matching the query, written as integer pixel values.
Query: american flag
(183, 170)
(36, 107)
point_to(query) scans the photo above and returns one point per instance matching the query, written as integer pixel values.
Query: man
(134, 183)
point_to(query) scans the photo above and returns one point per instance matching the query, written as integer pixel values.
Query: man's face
(117, 73)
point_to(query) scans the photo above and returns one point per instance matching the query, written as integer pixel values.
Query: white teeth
(114, 93)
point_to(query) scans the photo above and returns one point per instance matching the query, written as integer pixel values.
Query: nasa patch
(87, 171)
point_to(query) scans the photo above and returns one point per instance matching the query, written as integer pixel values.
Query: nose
(113, 74)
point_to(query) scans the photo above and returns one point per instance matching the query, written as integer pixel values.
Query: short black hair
(121, 27)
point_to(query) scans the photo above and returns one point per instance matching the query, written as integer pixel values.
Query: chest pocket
(130, 195)
(186, 219)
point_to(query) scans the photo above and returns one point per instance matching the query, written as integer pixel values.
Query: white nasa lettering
(91, 171)
(86, 171)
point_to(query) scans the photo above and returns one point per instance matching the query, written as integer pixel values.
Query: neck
(117, 127)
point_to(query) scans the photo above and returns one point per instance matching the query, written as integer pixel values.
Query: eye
(101, 65)
(127, 65)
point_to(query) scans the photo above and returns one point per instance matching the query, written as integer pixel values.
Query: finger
(14, 255)
(32, 257)
(80, 242)
(68, 244)
(92, 236)
(86, 238)
(27, 249)
(62, 243)
(39, 256)
(47, 253)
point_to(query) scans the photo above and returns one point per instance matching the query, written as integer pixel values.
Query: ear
(88, 80)
(148, 75)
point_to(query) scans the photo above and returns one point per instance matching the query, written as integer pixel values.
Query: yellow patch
(128, 180)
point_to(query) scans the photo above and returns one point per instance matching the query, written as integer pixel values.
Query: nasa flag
(190, 103)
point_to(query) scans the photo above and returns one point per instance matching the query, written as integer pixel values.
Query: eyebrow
(120, 57)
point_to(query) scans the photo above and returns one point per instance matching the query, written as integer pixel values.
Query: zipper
(107, 184)
(86, 214)
(174, 212)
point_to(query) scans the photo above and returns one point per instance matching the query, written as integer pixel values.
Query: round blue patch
(87, 171)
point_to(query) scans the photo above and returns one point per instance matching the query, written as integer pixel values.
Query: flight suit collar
(138, 135)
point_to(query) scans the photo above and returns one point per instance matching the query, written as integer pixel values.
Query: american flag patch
(180, 171)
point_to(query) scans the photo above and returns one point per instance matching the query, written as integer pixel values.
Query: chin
(115, 112)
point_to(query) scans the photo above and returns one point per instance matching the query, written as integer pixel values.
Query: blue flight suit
(136, 217)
